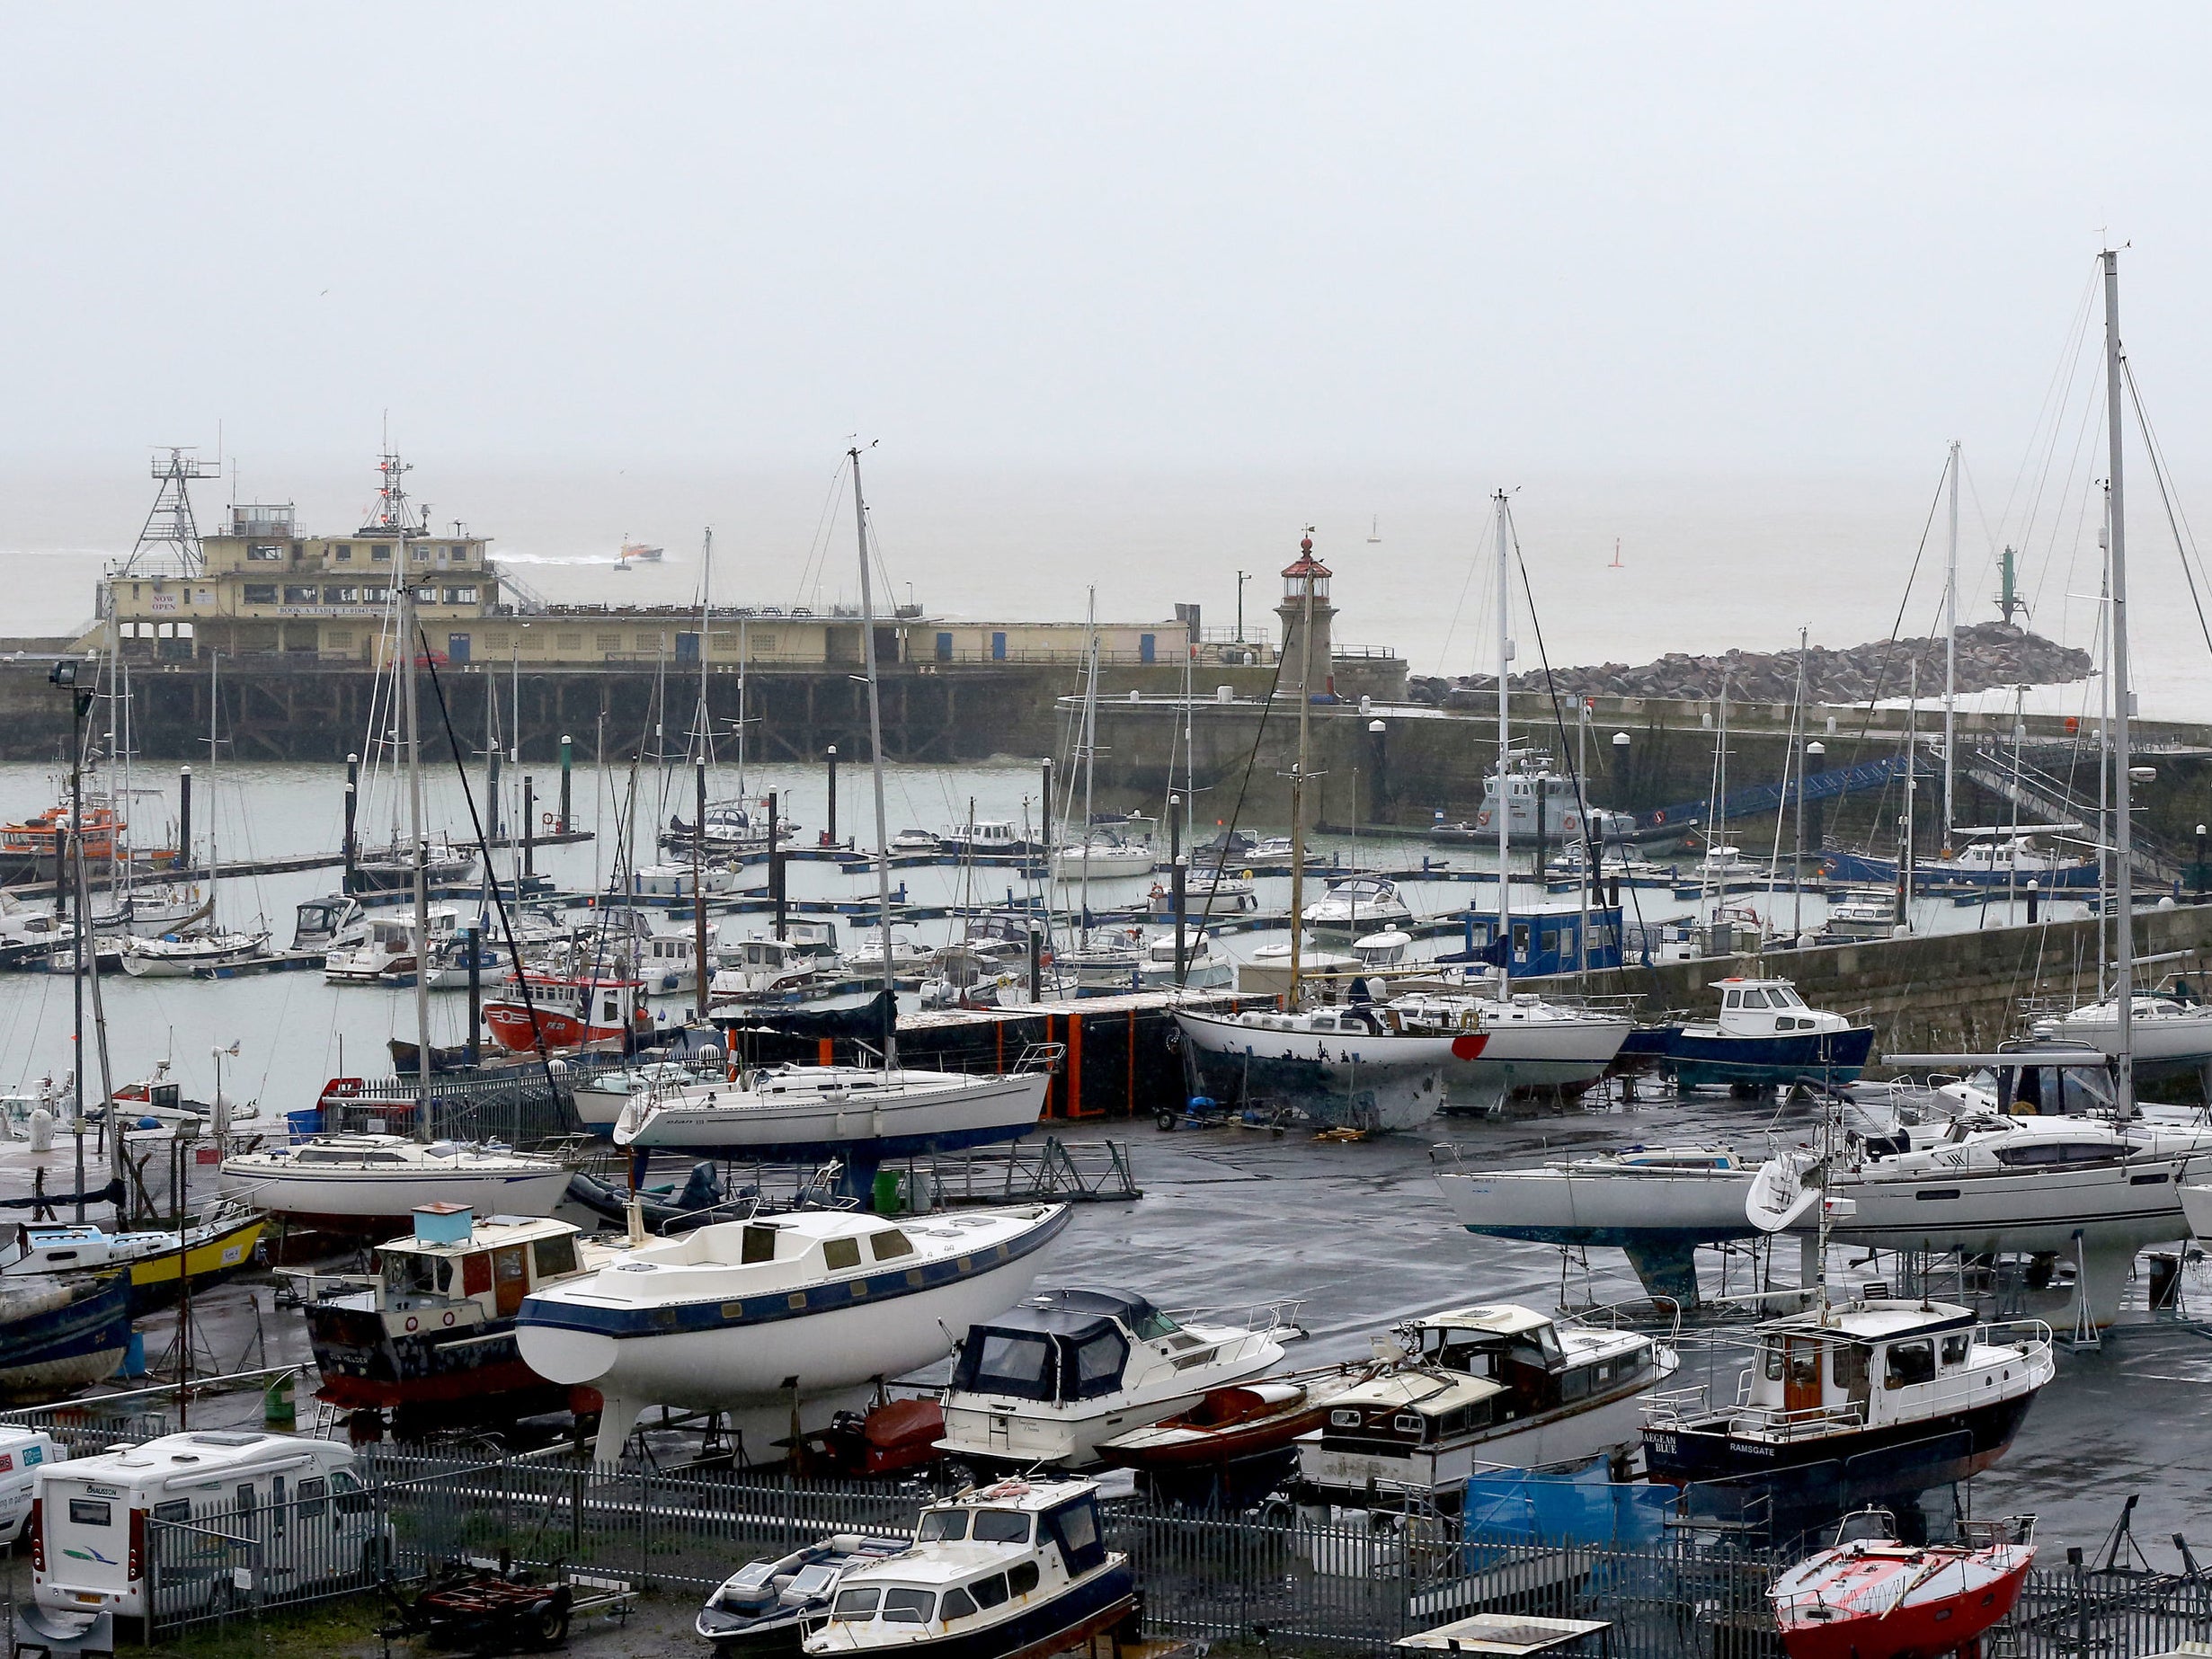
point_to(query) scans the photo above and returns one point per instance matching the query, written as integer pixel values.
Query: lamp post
(829, 834)
(1242, 577)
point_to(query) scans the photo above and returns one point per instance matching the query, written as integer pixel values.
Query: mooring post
(475, 998)
(828, 833)
(353, 802)
(568, 756)
(529, 825)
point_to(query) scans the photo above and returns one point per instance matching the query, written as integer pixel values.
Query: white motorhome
(292, 1509)
(23, 1452)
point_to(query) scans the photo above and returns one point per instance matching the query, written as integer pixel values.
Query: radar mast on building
(169, 545)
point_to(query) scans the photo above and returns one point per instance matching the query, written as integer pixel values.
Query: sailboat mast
(699, 804)
(1298, 771)
(1951, 659)
(1090, 750)
(414, 836)
(2123, 873)
(1504, 744)
(876, 766)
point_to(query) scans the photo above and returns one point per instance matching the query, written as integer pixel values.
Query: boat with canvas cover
(1874, 1597)
(769, 1315)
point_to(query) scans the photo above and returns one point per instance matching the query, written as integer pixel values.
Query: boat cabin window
(858, 1604)
(759, 1245)
(1754, 999)
(1009, 1362)
(1075, 1527)
(556, 1256)
(942, 1526)
(1802, 1359)
(902, 1606)
(1098, 1363)
(1734, 999)
(1021, 1578)
(1475, 1353)
(1002, 1526)
(1152, 1325)
(1784, 998)
(2047, 1152)
(405, 1273)
(1848, 1366)
(1956, 1347)
(840, 1252)
(989, 1592)
(1909, 1362)
(956, 1605)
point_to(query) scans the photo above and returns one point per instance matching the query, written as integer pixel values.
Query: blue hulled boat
(1765, 1034)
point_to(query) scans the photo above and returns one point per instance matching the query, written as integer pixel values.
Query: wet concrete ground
(1360, 1236)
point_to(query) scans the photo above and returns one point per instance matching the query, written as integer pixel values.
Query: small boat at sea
(1855, 1404)
(1017, 1570)
(1357, 905)
(372, 1184)
(1766, 1034)
(1871, 1596)
(1048, 1382)
(156, 1263)
(762, 1610)
(430, 1338)
(769, 1314)
(1478, 1388)
(638, 552)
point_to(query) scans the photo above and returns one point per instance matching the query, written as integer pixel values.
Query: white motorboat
(1205, 966)
(1350, 1068)
(762, 970)
(366, 1183)
(909, 959)
(766, 1316)
(1267, 972)
(680, 880)
(1103, 960)
(1017, 1570)
(2088, 1189)
(2171, 1030)
(1387, 948)
(390, 948)
(1102, 857)
(334, 922)
(1048, 1381)
(1355, 905)
(1863, 913)
(666, 962)
(821, 1112)
(1206, 894)
(1531, 1045)
(909, 843)
(181, 955)
(1478, 1388)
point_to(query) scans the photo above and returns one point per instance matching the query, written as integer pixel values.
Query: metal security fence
(1290, 1581)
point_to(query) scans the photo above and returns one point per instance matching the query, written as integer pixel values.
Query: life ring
(1659, 817)
(549, 820)
(1482, 819)
(413, 1323)
(448, 1318)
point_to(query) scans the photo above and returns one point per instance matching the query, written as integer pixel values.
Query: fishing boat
(567, 1010)
(1355, 905)
(156, 1263)
(1871, 1596)
(372, 1184)
(1476, 1387)
(799, 1112)
(1048, 1382)
(1018, 1570)
(762, 1611)
(429, 1337)
(1766, 1034)
(984, 839)
(60, 1335)
(1844, 1405)
(767, 1315)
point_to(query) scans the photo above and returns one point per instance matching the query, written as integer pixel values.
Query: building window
(422, 556)
(342, 596)
(725, 642)
(570, 642)
(606, 642)
(652, 642)
(376, 596)
(380, 553)
(460, 596)
(302, 596)
(342, 552)
(426, 596)
(259, 593)
(338, 639)
(765, 644)
(498, 641)
(264, 553)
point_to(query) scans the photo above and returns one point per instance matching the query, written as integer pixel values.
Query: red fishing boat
(1230, 1423)
(1873, 1597)
(570, 1012)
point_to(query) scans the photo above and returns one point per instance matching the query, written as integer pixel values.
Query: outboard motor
(703, 1191)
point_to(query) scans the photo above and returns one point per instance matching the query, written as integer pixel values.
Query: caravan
(292, 1508)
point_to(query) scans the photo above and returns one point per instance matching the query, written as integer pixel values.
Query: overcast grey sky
(1721, 237)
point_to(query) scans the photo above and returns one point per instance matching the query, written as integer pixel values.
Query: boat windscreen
(1018, 1364)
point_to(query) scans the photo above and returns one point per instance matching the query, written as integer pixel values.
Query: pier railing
(1280, 1579)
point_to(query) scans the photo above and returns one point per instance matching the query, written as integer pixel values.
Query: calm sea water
(1706, 565)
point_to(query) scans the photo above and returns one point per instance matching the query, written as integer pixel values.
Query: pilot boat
(760, 1611)
(1851, 1405)
(1357, 905)
(815, 1112)
(367, 1184)
(766, 1316)
(1050, 1381)
(1018, 1570)
(1766, 1034)
(1873, 1597)
(1480, 1387)
(431, 1337)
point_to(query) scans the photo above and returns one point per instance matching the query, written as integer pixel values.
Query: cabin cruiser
(2089, 1189)
(909, 959)
(762, 1611)
(679, 880)
(429, 1337)
(1389, 948)
(1355, 905)
(28, 936)
(1102, 856)
(364, 1184)
(1355, 1067)
(1205, 966)
(1267, 973)
(1103, 960)
(391, 870)
(1656, 1203)
(1048, 1382)
(732, 827)
(1617, 863)
(1531, 1046)
(1206, 894)
(2169, 1030)
(763, 970)
(1003, 939)
(1765, 1034)
(1474, 1388)
(908, 843)
(390, 948)
(764, 1316)
(1846, 1406)
(1863, 913)
(179, 955)
(334, 922)
(1272, 852)
(818, 1112)
(1011, 1571)
(983, 840)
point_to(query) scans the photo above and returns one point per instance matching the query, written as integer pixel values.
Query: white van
(292, 1507)
(23, 1452)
